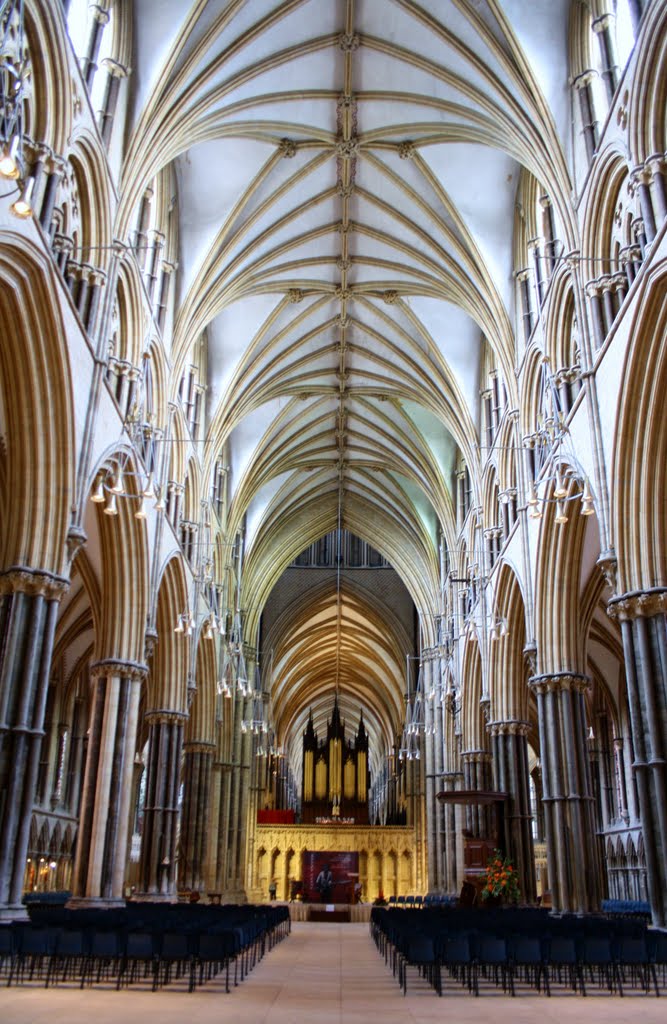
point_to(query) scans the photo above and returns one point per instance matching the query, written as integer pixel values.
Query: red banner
(275, 817)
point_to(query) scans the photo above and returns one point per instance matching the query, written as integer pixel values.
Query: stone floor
(321, 974)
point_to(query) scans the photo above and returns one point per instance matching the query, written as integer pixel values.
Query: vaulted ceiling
(347, 174)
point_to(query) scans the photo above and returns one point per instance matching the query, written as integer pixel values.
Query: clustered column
(567, 791)
(477, 775)
(643, 618)
(431, 781)
(107, 789)
(28, 611)
(158, 842)
(197, 774)
(510, 766)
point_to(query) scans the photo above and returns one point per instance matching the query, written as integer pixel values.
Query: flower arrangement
(501, 879)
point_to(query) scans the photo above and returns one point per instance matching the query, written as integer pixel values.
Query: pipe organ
(335, 773)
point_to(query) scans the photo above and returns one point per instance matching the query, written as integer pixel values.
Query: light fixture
(587, 507)
(564, 480)
(498, 629)
(117, 486)
(141, 512)
(561, 516)
(111, 508)
(560, 490)
(9, 167)
(413, 725)
(98, 494)
(149, 490)
(22, 207)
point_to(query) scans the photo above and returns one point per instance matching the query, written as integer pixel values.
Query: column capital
(640, 175)
(556, 682)
(134, 670)
(509, 727)
(594, 288)
(638, 604)
(584, 79)
(476, 757)
(199, 747)
(115, 69)
(602, 23)
(99, 13)
(655, 164)
(165, 716)
(35, 582)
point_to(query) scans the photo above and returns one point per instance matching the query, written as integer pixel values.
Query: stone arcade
(333, 367)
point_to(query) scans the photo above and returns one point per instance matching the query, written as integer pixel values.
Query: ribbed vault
(337, 642)
(345, 179)
(346, 183)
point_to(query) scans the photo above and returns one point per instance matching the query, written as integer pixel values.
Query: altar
(356, 913)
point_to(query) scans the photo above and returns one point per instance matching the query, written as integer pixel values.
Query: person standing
(324, 884)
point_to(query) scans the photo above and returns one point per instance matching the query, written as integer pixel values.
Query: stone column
(510, 770)
(656, 168)
(234, 802)
(96, 281)
(431, 784)
(594, 293)
(477, 775)
(141, 236)
(523, 277)
(641, 180)
(439, 768)
(450, 783)
(567, 791)
(55, 169)
(89, 62)
(28, 611)
(102, 839)
(197, 773)
(116, 73)
(604, 29)
(643, 618)
(239, 862)
(163, 767)
(588, 121)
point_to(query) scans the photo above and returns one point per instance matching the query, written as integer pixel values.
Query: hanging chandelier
(414, 724)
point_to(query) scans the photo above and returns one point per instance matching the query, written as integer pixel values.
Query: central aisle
(321, 974)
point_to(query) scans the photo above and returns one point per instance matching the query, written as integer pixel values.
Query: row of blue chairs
(417, 902)
(149, 944)
(511, 947)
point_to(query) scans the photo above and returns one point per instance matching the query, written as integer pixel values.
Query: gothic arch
(648, 99)
(560, 644)
(637, 504)
(473, 730)
(168, 680)
(125, 568)
(37, 410)
(507, 668)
